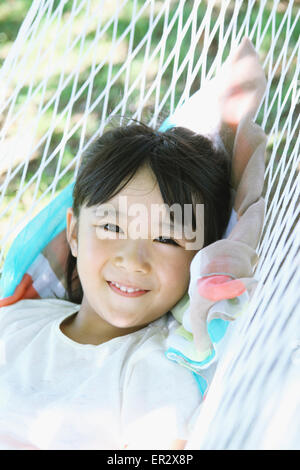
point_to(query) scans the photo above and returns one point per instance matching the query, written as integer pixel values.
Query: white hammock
(254, 400)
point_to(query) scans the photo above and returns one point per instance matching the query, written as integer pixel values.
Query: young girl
(90, 372)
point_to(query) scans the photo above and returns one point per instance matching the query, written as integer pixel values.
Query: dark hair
(186, 166)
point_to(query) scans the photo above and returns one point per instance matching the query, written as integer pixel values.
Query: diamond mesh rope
(74, 65)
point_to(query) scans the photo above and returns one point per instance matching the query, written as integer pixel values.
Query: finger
(199, 307)
(220, 287)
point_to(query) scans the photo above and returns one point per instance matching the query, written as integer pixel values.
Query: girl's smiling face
(158, 265)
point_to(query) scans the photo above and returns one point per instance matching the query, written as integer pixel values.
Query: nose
(133, 257)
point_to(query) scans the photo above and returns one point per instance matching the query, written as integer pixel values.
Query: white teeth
(125, 289)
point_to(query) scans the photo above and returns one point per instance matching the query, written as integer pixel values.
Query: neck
(88, 327)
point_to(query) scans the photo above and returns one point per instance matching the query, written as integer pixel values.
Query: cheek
(176, 273)
(91, 252)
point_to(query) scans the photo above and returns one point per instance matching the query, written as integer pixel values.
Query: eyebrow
(116, 211)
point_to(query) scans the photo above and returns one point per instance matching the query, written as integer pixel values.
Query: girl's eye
(169, 241)
(112, 225)
(162, 239)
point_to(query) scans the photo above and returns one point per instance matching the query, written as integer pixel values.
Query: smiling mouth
(125, 293)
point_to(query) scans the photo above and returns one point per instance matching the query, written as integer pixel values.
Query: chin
(124, 323)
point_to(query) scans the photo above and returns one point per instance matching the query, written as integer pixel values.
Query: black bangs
(173, 188)
(107, 169)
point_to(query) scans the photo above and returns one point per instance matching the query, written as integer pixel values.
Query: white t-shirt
(58, 394)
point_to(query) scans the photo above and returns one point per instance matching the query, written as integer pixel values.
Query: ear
(72, 231)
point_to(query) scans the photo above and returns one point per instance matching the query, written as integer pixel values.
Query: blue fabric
(167, 124)
(217, 328)
(181, 359)
(33, 239)
(201, 382)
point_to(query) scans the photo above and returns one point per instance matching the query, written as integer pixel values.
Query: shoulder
(28, 310)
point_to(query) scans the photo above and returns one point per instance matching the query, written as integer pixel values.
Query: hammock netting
(76, 64)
